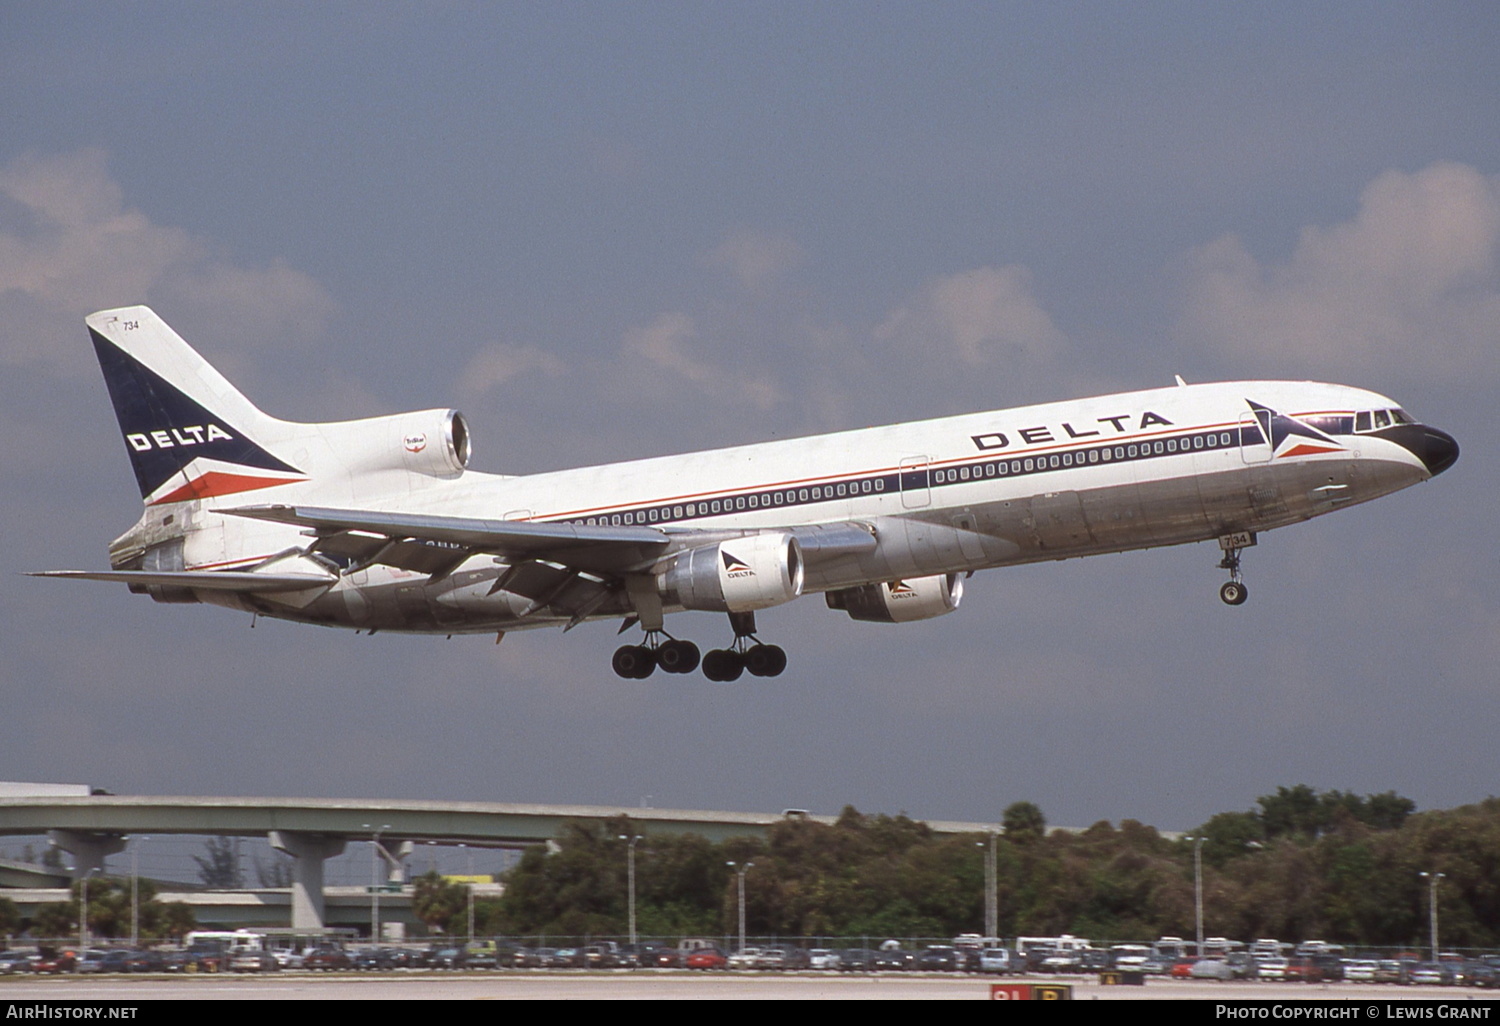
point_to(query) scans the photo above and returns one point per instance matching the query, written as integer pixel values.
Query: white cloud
(756, 259)
(70, 245)
(979, 317)
(498, 364)
(1409, 286)
(669, 345)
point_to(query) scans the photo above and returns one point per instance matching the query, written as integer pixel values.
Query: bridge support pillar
(394, 856)
(308, 852)
(88, 848)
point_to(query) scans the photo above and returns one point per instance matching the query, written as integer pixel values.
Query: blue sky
(615, 230)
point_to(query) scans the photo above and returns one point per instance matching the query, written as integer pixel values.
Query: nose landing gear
(1233, 592)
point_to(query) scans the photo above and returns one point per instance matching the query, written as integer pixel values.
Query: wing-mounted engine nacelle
(754, 572)
(431, 442)
(916, 598)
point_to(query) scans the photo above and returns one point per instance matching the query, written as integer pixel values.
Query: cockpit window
(1374, 420)
(1330, 423)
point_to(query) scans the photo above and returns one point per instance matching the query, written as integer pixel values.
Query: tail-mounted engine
(737, 576)
(916, 598)
(432, 442)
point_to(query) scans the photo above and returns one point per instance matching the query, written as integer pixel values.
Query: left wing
(437, 544)
(246, 582)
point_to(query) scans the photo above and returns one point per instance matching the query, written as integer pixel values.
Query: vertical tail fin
(189, 432)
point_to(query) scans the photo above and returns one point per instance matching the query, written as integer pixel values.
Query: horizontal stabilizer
(199, 580)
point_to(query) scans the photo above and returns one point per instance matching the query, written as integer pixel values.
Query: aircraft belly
(1057, 522)
(1114, 516)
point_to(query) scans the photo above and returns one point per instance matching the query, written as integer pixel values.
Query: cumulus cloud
(756, 259)
(979, 316)
(69, 244)
(669, 346)
(1409, 286)
(501, 363)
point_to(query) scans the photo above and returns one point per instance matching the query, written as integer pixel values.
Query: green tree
(219, 867)
(1024, 823)
(439, 902)
(55, 919)
(1230, 835)
(275, 873)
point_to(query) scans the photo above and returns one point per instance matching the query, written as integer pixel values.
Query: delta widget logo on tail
(178, 449)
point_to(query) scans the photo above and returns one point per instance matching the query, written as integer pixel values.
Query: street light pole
(741, 870)
(375, 883)
(471, 913)
(135, 896)
(630, 863)
(991, 887)
(1198, 887)
(1432, 881)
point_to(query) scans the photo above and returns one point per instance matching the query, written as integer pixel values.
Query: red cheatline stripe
(218, 483)
(1309, 450)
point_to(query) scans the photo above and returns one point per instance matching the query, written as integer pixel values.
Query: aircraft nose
(1437, 450)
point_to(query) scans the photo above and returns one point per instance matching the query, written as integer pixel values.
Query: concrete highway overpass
(311, 830)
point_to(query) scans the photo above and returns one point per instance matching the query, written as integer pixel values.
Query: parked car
(1213, 969)
(744, 958)
(1271, 969)
(18, 961)
(856, 960)
(91, 961)
(996, 960)
(706, 958)
(57, 962)
(327, 959)
(253, 962)
(892, 960)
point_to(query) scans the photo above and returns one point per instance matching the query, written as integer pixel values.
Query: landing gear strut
(1233, 592)
(637, 662)
(747, 652)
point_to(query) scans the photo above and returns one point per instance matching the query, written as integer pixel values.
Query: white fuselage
(1105, 474)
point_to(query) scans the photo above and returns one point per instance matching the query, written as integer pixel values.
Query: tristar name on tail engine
(379, 524)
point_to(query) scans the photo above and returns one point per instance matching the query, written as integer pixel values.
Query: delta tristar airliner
(380, 525)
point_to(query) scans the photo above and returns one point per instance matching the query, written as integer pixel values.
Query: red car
(706, 958)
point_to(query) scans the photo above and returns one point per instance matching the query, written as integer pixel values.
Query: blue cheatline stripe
(966, 472)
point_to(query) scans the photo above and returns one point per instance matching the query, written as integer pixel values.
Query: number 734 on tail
(379, 524)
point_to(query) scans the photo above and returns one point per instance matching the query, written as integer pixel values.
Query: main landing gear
(746, 652)
(639, 661)
(1233, 592)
